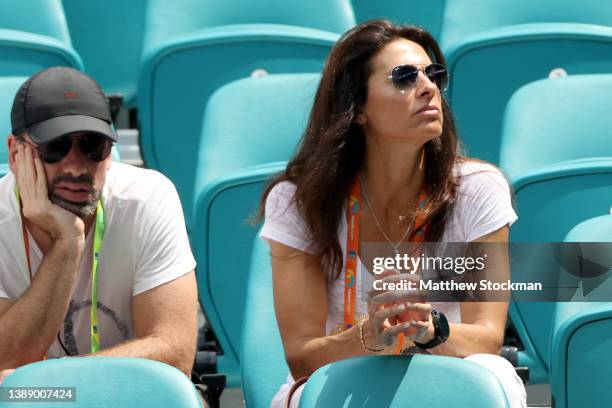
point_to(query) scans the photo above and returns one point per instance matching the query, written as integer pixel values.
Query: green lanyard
(100, 228)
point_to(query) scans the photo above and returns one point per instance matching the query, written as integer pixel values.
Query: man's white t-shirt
(483, 205)
(145, 245)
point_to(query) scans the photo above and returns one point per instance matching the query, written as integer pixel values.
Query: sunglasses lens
(437, 74)
(95, 147)
(56, 150)
(404, 76)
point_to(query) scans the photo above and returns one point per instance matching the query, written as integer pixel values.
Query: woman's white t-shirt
(483, 205)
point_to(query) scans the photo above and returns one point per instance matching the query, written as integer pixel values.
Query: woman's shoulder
(281, 194)
(474, 175)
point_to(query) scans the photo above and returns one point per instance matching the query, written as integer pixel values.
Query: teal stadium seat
(555, 151)
(262, 360)
(580, 364)
(109, 36)
(380, 381)
(34, 36)
(106, 382)
(423, 13)
(193, 47)
(495, 47)
(8, 89)
(251, 127)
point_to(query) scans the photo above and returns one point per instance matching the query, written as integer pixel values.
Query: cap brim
(53, 128)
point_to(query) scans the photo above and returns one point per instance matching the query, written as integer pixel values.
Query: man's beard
(81, 209)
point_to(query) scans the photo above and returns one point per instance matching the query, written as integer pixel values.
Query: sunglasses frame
(51, 159)
(420, 68)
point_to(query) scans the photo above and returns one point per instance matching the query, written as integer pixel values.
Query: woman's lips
(428, 111)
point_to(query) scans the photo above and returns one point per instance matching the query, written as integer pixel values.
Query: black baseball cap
(59, 101)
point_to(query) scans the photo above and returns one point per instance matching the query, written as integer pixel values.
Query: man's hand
(5, 373)
(37, 208)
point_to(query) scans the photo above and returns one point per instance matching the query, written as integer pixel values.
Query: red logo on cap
(71, 95)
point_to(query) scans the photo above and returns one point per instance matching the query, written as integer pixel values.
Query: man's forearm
(157, 348)
(30, 325)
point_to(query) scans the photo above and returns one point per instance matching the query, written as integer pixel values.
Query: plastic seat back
(406, 382)
(42, 17)
(509, 45)
(251, 127)
(560, 180)
(8, 89)
(166, 20)
(262, 359)
(109, 36)
(107, 382)
(31, 41)
(486, 15)
(423, 13)
(556, 120)
(193, 47)
(580, 366)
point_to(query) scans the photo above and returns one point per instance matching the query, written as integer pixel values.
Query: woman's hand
(391, 312)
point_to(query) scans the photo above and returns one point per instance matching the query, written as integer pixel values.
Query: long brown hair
(332, 148)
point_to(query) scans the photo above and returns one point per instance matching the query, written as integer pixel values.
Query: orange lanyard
(352, 250)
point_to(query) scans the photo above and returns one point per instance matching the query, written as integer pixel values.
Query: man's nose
(74, 162)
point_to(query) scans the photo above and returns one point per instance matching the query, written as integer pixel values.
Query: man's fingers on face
(41, 179)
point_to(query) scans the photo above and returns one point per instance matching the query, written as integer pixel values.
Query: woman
(381, 132)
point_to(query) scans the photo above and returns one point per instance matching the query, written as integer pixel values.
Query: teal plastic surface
(556, 121)
(406, 382)
(23, 53)
(580, 368)
(8, 89)
(43, 17)
(179, 79)
(167, 20)
(549, 204)
(262, 360)
(109, 36)
(107, 382)
(487, 68)
(33, 36)
(428, 14)
(484, 15)
(251, 127)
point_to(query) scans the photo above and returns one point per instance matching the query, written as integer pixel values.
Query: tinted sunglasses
(93, 146)
(405, 76)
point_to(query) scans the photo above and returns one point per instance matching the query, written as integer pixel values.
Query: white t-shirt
(483, 205)
(145, 245)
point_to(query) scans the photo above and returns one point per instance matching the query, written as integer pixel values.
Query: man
(75, 227)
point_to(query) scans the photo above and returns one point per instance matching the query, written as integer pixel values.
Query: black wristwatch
(441, 330)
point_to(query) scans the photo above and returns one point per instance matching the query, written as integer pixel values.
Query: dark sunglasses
(93, 146)
(405, 76)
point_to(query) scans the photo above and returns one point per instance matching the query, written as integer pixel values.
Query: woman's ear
(360, 118)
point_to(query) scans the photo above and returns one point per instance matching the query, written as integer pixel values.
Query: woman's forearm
(466, 339)
(317, 352)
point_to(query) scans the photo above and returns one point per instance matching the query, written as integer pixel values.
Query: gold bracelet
(361, 322)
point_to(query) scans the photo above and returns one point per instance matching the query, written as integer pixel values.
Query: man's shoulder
(126, 182)
(7, 196)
